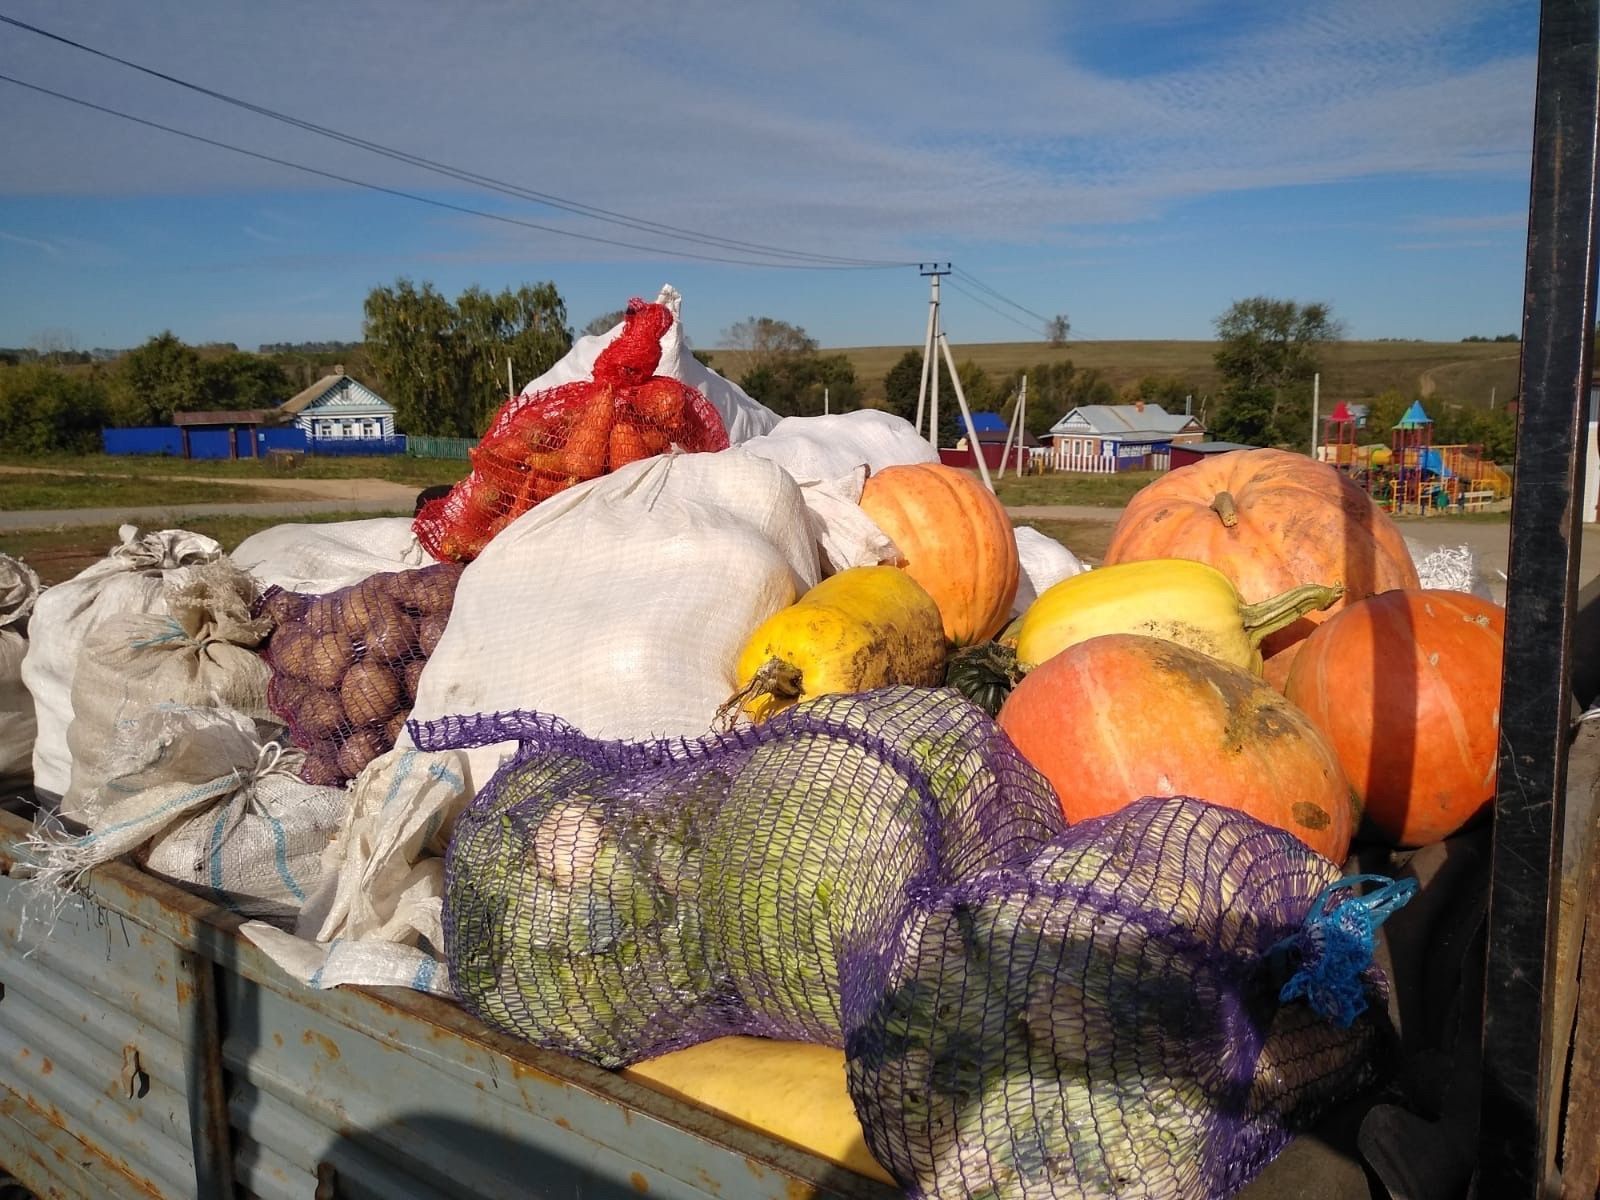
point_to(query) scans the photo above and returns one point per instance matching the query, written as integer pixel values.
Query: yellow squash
(1186, 602)
(791, 1090)
(864, 628)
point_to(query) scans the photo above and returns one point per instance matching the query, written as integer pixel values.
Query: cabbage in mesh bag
(617, 900)
(1110, 1018)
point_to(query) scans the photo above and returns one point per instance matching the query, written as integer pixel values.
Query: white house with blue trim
(337, 406)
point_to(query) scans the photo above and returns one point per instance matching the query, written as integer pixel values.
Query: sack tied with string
(346, 665)
(196, 797)
(19, 590)
(199, 652)
(541, 444)
(616, 900)
(1144, 1010)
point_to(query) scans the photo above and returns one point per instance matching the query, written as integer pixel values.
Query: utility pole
(1019, 427)
(966, 414)
(824, 401)
(511, 387)
(933, 272)
(1316, 396)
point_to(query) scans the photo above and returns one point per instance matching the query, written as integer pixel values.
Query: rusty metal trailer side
(147, 1050)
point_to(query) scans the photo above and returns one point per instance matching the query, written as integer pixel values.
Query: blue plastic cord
(1335, 945)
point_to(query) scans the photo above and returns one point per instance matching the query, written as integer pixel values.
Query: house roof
(335, 392)
(1128, 422)
(247, 416)
(988, 422)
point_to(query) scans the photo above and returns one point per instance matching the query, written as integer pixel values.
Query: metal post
(1016, 414)
(966, 415)
(933, 272)
(1316, 398)
(1516, 1133)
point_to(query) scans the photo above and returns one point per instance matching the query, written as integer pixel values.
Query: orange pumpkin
(1117, 718)
(1269, 520)
(954, 539)
(1406, 686)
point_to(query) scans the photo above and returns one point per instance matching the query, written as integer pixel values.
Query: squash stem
(1272, 614)
(778, 682)
(1224, 506)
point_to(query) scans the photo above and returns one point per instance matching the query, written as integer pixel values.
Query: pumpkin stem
(1223, 505)
(1272, 614)
(776, 681)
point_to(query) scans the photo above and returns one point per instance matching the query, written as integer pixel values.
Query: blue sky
(1137, 166)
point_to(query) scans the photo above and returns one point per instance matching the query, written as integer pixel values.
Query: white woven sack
(1045, 563)
(131, 579)
(621, 604)
(325, 558)
(201, 801)
(826, 447)
(742, 417)
(200, 653)
(377, 919)
(19, 590)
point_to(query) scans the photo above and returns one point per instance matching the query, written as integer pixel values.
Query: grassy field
(1464, 372)
(396, 468)
(1099, 491)
(1087, 539)
(59, 554)
(19, 493)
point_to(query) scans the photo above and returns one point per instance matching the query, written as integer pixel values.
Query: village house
(1106, 438)
(337, 406)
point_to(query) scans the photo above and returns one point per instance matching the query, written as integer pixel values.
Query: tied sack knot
(634, 355)
(1335, 944)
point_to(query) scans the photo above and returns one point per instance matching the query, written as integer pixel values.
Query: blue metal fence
(217, 443)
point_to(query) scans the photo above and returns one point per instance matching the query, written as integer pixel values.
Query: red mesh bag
(541, 444)
(345, 665)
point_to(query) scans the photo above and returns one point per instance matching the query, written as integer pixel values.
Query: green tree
(764, 339)
(792, 384)
(1055, 389)
(901, 384)
(243, 381)
(1267, 354)
(604, 323)
(443, 365)
(155, 380)
(1056, 329)
(43, 410)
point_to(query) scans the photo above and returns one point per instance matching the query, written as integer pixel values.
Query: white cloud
(48, 247)
(827, 125)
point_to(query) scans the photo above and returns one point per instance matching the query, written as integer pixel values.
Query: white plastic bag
(377, 918)
(199, 653)
(325, 558)
(846, 537)
(131, 579)
(621, 604)
(197, 797)
(1450, 569)
(1045, 563)
(19, 590)
(742, 417)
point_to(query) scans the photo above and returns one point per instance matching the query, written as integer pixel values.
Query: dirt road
(345, 490)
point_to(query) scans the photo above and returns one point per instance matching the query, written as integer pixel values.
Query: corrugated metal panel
(97, 1037)
(365, 1093)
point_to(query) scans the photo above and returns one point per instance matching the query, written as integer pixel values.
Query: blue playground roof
(1414, 417)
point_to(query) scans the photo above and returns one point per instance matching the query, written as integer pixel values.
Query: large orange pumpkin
(954, 539)
(1406, 686)
(1117, 718)
(1269, 520)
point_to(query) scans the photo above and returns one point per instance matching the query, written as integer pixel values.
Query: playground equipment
(1339, 447)
(1414, 476)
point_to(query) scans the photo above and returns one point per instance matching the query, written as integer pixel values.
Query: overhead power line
(978, 283)
(463, 175)
(976, 299)
(444, 204)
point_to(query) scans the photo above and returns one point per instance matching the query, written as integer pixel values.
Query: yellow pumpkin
(793, 1091)
(1186, 602)
(955, 539)
(863, 628)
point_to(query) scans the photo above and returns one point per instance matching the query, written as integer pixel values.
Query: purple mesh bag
(1115, 1017)
(617, 900)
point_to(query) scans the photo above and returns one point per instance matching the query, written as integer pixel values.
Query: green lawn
(1087, 539)
(1066, 487)
(20, 493)
(59, 554)
(396, 468)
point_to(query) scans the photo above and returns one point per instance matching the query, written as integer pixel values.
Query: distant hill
(1459, 372)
